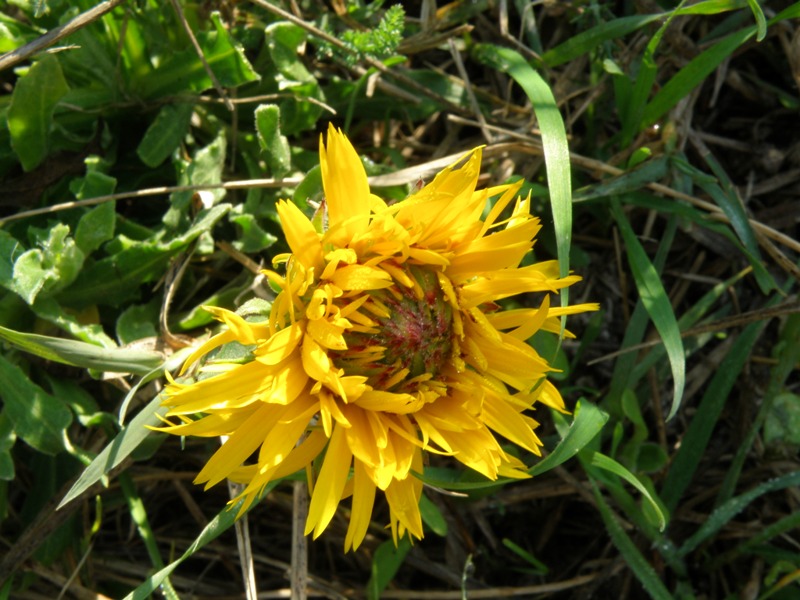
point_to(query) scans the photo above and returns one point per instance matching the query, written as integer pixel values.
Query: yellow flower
(386, 342)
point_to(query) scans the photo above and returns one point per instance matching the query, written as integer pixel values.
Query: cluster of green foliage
(126, 154)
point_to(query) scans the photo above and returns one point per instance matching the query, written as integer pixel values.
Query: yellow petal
(326, 334)
(344, 181)
(280, 346)
(240, 445)
(361, 513)
(330, 484)
(502, 418)
(361, 277)
(301, 236)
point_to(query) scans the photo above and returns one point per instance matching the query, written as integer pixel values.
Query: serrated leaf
(117, 278)
(165, 133)
(30, 113)
(39, 419)
(81, 354)
(29, 275)
(10, 249)
(50, 268)
(782, 423)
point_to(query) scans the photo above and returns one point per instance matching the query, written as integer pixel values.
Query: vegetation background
(143, 145)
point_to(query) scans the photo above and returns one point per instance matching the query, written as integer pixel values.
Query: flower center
(416, 335)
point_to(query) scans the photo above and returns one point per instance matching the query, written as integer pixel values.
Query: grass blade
(607, 463)
(643, 571)
(722, 515)
(554, 141)
(693, 444)
(587, 41)
(656, 301)
(127, 440)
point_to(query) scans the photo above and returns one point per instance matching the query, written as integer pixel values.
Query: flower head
(385, 343)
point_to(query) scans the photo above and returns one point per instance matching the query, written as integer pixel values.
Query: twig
(13, 57)
(528, 591)
(473, 101)
(199, 50)
(299, 568)
(787, 308)
(245, 548)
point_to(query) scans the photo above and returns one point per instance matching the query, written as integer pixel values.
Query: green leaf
(204, 168)
(138, 321)
(787, 352)
(165, 133)
(184, 71)
(588, 422)
(39, 419)
(81, 354)
(30, 114)
(95, 183)
(78, 325)
(96, 227)
(10, 249)
(643, 570)
(432, 516)
(7, 439)
(385, 564)
(633, 107)
(127, 440)
(252, 237)
(710, 7)
(782, 423)
(657, 304)
(695, 440)
(554, 141)
(272, 143)
(116, 279)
